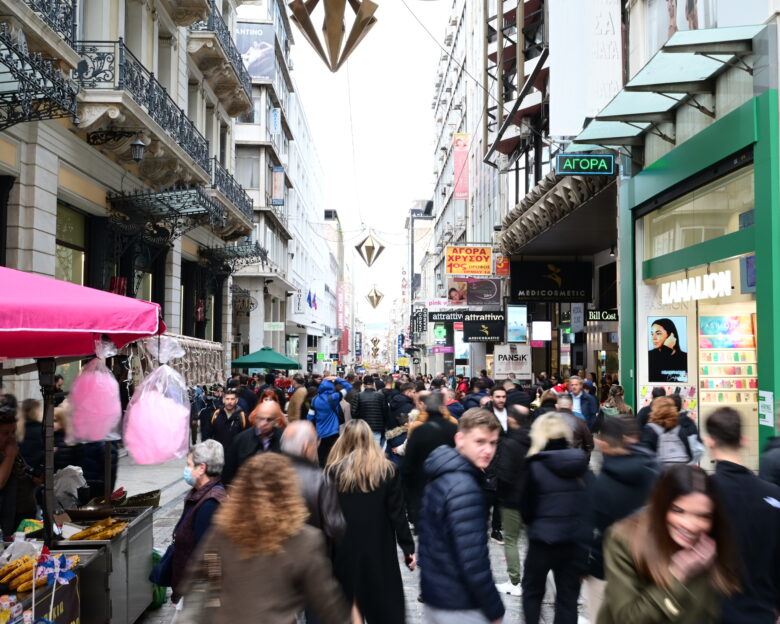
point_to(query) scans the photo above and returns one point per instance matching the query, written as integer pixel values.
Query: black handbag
(162, 573)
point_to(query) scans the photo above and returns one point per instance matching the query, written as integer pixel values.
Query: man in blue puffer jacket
(457, 583)
(324, 413)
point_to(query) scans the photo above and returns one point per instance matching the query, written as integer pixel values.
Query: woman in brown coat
(262, 563)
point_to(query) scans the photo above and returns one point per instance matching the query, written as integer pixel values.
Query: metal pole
(46, 370)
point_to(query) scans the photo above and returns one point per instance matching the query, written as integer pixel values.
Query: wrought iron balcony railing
(216, 24)
(111, 65)
(223, 181)
(59, 14)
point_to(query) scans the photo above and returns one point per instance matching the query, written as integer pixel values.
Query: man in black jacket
(403, 403)
(456, 581)
(225, 423)
(516, 396)
(261, 438)
(769, 468)
(753, 506)
(371, 406)
(436, 431)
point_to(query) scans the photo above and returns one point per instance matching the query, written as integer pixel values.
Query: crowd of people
(315, 483)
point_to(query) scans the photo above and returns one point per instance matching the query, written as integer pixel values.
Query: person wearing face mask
(203, 473)
(671, 561)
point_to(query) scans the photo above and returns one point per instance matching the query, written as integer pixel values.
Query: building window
(254, 114)
(71, 245)
(144, 290)
(248, 167)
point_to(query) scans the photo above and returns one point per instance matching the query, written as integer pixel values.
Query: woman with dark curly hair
(372, 502)
(261, 562)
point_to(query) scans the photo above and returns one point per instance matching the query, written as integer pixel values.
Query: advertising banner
(468, 261)
(441, 349)
(419, 321)
(517, 323)
(437, 303)
(552, 281)
(460, 157)
(667, 343)
(344, 341)
(577, 317)
(277, 187)
(473, 291)
(340, 307)
(462, 349)
(400, 346)
(512, 358)
(484, 327)
(255, 43)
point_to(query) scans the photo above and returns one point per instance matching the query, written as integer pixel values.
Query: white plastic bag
(157, 421)
(96, 408)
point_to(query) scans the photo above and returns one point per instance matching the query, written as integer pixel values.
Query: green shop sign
(585, 164)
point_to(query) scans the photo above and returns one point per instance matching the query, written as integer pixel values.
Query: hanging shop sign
(273, 326)
(419, 321)
(585, 164)
(440, 334)
(517, 319)
(277, 187)
(484, 327)
(709, 286)
(441, 349)
(400, 345)
(276, 121)
(437, 303)
(358, 344)
(512, 358)
(502, 265)
(602, 315)
(460, 156)
(455, 316)
(468, 261)
(552, 281)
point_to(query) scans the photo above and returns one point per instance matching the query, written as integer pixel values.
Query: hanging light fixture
(374, 297)
(369, 249)
(333, 27)
(137, 148)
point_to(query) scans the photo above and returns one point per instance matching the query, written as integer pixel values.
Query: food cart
(54, 322)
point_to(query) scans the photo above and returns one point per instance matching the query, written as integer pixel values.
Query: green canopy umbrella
(265, 358)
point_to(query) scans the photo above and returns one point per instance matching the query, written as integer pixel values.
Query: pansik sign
(469, 261)
(710, 286)
(484, 327)
(512, 359)
(552, 281)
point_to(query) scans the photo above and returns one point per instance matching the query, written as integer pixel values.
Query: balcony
(211, 46)
(122, 100)
(49, 27)
(185, 12)
(240, 211)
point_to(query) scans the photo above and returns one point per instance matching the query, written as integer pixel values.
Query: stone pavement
(168, 477)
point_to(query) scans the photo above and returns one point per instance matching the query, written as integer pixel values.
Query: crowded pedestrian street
(389, 311)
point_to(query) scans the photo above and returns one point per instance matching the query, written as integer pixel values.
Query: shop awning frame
(230, 258)
(686, 66)
(31, 88)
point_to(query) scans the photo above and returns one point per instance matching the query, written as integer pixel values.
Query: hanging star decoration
(369, 249)
(374, 297)
(333, 28)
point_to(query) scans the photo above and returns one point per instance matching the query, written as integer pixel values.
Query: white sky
(390, 77)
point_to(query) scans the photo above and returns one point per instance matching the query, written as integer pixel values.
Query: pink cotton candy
(157, 422)
(96, 407)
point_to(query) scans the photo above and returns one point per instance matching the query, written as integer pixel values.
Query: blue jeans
(380, 439)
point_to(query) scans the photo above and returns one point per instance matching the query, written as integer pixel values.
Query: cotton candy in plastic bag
(157, 421)
(96, 409)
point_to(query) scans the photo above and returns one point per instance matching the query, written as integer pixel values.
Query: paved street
(168, 477)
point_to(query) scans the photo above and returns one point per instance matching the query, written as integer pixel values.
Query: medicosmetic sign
(469, 261)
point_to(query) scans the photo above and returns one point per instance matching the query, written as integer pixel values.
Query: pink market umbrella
(43, 317)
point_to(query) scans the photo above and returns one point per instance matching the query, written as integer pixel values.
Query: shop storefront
(699, 316)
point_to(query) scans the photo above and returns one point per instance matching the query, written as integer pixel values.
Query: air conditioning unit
(448, 39)
(454, 20)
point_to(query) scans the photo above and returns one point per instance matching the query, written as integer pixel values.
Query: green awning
(687, 65)
(265, 358)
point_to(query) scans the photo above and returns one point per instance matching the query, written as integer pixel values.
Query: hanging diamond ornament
(369, 249)
(333, 27)
(374, 297)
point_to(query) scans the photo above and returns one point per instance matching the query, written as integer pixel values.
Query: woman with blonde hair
(372, 503)
(262, 562)
(554, 507)
(674, 559)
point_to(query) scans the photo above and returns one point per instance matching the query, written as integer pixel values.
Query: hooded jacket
(770, 462)
(622, 487)
(555, 502)
(453, 538)
(324, 407)
(400, 406)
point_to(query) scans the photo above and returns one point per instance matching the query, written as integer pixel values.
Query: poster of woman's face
(667, 356)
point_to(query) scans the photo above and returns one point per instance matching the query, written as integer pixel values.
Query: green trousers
(512, 525)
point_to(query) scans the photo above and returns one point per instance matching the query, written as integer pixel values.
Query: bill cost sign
(469, 261)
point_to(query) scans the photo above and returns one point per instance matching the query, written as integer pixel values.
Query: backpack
(671, 449)
(337, 408)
